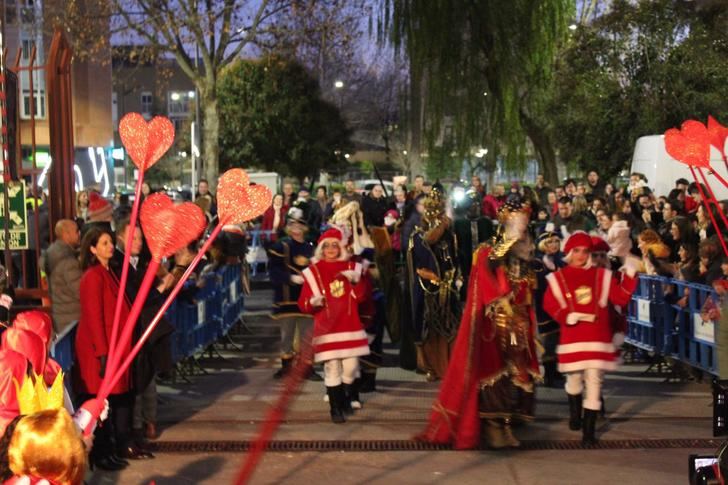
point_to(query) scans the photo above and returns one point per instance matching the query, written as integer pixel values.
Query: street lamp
(339, 85)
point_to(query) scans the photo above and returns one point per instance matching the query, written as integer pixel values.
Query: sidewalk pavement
(229, 404)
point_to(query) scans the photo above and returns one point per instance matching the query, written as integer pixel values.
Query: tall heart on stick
(169, 227)
(690, 145)
(718, 133)
(146, 142)
(237, 200)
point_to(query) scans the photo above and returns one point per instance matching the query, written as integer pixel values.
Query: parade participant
(548, 260)
(331, 293)
(288, 257)
(46, 448)
(491, 376)
(434, 279)
(578, 297)
(373, 252)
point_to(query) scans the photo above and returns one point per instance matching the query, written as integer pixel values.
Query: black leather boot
(368, 381)
(284, 370)
(590, 424)
(352, 395)
(336, 397)
(575, 401)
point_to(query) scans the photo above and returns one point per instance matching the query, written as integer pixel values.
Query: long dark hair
(91, 239)
(685, 228)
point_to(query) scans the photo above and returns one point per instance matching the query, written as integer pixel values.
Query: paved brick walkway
(228, 404)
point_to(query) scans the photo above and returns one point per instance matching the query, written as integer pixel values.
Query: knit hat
(599, 245)
(99, 209)
(579, 239)
(330, 233)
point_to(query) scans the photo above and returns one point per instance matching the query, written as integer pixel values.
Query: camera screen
(705, 461)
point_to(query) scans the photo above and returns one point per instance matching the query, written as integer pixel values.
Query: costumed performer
(578, 297)
(434, 279)
(331, 293)
(288, 257)
(548, 259)
(491, 376)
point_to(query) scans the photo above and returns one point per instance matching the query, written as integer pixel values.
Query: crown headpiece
(34, 397)
(511, 209)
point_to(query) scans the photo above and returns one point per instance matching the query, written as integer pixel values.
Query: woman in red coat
(98, 291)
(274, 219)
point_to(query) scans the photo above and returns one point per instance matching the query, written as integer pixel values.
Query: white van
(651, 159)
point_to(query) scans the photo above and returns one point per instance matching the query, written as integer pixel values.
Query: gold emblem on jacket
(300, 260)
(336, 288)
(583, 295)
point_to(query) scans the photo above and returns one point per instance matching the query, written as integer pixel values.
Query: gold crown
(36, 397)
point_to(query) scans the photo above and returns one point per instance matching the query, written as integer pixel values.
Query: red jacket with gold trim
(579, 298)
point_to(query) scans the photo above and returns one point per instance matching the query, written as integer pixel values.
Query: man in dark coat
(156, 355)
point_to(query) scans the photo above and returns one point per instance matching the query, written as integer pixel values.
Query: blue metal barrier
(218, 305)
(657, 323)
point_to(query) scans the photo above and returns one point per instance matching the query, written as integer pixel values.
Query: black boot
(336, 397)
(352, 395)
(590, 424)
(368, 382)
(551, 376)
(285, 368)
(575, 411)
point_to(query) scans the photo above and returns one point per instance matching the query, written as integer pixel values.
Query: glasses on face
(333, 245)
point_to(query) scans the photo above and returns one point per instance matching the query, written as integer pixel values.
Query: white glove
(351, 275)
(458, 284)
(317, 300)
(618, 339)
(296, 279)
(105, 412)
(631, 266)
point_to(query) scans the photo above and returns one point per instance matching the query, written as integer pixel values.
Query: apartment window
(11, 13)
(39, 103)
(178, 103)
(27, 48)
(147, 101)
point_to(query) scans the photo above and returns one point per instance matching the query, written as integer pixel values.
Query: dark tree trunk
(544, 148)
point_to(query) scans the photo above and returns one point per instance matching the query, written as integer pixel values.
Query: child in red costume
(332, 293)
(578, 298)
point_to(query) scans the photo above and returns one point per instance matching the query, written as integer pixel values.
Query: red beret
(331, 233)
(599, 245)
(579, 239)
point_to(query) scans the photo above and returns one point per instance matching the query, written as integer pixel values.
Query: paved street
(207, 422)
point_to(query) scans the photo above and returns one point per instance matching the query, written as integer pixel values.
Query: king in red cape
(490, 379)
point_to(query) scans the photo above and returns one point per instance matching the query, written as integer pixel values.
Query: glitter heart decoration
(718, 133)
(146, 142)
(168, 227)
(689, 145)
(237, 200)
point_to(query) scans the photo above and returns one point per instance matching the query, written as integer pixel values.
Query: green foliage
(639, 69)
(272, 117)
(443, 162)
(459, 50)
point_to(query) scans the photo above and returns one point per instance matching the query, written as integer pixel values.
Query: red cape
(455, 416)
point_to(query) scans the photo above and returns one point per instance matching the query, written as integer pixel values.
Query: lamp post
(339, 86)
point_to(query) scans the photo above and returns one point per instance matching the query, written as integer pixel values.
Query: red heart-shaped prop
(169, 227)
(145, 142)
(690, 145)
(239, 202)
(718, 133)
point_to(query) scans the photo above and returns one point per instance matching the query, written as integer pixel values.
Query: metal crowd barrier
(215, 308)
(657, 324)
